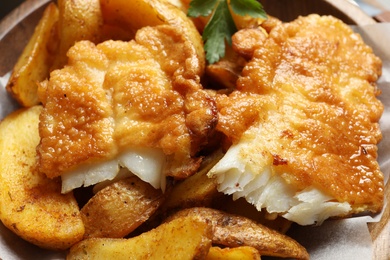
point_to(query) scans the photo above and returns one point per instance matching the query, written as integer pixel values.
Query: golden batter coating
(119, 95)
(306, 106)
(76, 124)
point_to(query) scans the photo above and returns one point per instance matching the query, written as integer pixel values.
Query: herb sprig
(221, 26)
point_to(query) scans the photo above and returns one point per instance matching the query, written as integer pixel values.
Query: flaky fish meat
(303, 122)
(136, 104)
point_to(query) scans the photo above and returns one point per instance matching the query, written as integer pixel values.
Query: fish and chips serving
(187, 130)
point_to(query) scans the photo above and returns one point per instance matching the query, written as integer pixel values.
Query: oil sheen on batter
(136, 104)
(303, 122)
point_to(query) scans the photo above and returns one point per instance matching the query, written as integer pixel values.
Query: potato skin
(120, 208)
(234, 231)
(31, 205)
(182, 238)
(151, 13)
(36, 59)
(78, 20)
(196, 190)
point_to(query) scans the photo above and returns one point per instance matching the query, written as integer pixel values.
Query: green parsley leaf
(248, 7)
(220, 27)
(201, 7)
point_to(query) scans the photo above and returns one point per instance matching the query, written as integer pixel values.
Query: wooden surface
(16, 28)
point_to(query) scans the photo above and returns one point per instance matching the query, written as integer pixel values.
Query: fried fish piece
(303, 123)
(133, 104)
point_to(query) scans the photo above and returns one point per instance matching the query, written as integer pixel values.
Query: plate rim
(378, 229)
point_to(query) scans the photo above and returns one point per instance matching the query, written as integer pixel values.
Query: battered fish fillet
(303, 123)
(136, 104)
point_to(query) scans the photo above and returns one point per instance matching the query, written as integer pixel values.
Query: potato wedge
(244, 208)
(182, 238)
(31, 205)
(136, 14)
(234, 230)
(78, 20)
(36, 59)
(246, 21)
(119, 208)
(235, 253)
(196, 190)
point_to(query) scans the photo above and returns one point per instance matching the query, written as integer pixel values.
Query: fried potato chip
(151, 13)
(31, 205)
(182, 238)
(36, 59)
(78, 20)
(119, 208)
(235, 253)
(234, 230)
(196, 190)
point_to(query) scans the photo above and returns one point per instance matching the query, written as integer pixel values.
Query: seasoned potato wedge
(32, 205)
(244, 208)
(182, 238)
(196, 190)
(136, 14)
(36, 59)
(235, 253)
(78, 20)
(119, 208)
(246, 21)
(234, 230)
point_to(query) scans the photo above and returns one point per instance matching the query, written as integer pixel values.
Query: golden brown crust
(76, 123)
(118, 95)
(309, 97)
(246, 41)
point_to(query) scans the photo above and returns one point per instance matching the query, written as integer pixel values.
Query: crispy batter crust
(117, 95)
(309, 96)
